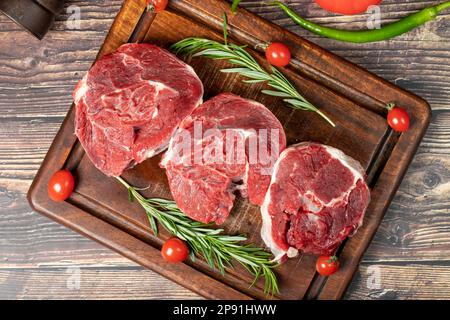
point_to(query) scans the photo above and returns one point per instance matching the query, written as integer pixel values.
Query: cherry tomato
(61, 185)
(278, 54)
(347, 6)
(175, 250)
(156, 5)
(327, 265)
(398, 118)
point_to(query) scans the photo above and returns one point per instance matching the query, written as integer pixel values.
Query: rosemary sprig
(248, 67)
(216, 248)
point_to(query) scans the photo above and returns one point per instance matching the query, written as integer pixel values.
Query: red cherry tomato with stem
(61, 185)
(175, 250)
(156, 5)
(347, 6)
(278, 54)
(327, 265)
(398, 118)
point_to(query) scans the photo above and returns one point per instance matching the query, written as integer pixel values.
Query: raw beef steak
(130, 103)
(228, 144)
(317, 197)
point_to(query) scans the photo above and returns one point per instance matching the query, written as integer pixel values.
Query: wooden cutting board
(352, 97)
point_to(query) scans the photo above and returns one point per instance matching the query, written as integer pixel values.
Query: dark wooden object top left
(36, 16)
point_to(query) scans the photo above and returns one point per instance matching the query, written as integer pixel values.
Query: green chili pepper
(387, 32)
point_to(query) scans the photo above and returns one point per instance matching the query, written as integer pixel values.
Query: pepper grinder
(36, 16)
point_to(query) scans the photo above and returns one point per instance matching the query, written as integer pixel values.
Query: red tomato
(278, 54)
(156, 5)
(327, 265)
(61, 185)
(175, 250)
(398, 119)
(347, 6)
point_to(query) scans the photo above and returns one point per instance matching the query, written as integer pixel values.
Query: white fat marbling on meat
(81, 90)
(266, 228)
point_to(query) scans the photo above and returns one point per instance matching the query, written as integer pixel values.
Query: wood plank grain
(401, 281)
(94, 283)
(35, 88)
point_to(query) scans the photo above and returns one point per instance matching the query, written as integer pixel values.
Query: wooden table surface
(409, 257)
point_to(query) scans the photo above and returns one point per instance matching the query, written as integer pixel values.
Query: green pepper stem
(234, 5)
(442, 6)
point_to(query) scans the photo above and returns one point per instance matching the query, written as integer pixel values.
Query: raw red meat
(130, 103)
(222, 137)
(317, 197)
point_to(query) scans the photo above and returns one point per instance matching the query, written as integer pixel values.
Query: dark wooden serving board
(352, 97)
